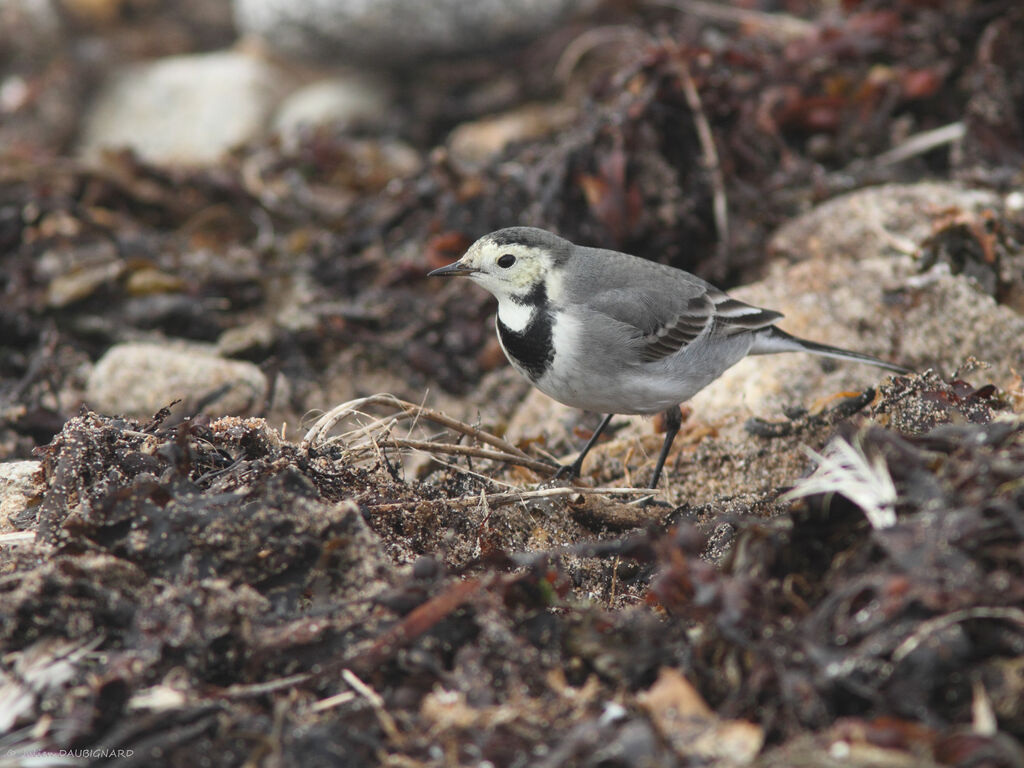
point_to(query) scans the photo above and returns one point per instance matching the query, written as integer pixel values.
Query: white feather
(514, 315)
(844, 469)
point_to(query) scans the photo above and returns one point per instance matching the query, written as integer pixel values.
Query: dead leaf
(693, 730)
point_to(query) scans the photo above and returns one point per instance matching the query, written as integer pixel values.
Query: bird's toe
(567, 472)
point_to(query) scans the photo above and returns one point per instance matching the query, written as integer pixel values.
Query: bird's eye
(506, 260)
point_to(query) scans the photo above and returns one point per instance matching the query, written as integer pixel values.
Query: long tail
(772, 340)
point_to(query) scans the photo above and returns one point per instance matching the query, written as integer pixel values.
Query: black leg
(673, 420)
(573, 470)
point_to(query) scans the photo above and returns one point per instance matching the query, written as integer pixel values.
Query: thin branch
(920, 143)
(782, 26)
(471, 473)
(249, 690)
(332, 701)
(416, 418)
(930, 627)
(711, 161)
(470, 450)
(585, 42)
(511, 497)
(318, 432)
(387, 722)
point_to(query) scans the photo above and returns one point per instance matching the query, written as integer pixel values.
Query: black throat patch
(531, 348)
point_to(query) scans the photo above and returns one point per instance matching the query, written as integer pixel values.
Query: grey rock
(20, 484)
(138, 379)
(395, 32)
(861, 286)
(184, 109)
(889, 219)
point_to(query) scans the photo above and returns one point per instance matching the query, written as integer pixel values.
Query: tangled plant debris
(403, 585)
(194, 573)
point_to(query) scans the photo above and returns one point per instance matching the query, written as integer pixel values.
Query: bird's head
(512, 263)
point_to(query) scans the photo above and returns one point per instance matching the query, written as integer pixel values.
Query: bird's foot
(567, 471)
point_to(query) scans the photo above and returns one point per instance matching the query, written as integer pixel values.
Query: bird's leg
(573, 470)
(673, 420)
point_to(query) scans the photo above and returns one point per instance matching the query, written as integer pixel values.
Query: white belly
(612, 378)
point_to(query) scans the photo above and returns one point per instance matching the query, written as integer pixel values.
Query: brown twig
(720, 202)
(937, 624)
(470, 450)
(387, 722)
(466, 471)
(587, 41)
(511, 497)
(782, 26)
(325, 423)
(919, 144)
(331, 702)
(251, 690)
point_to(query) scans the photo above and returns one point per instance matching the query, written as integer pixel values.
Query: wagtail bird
(613, 333)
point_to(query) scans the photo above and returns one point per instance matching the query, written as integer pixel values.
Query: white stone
(184, 109)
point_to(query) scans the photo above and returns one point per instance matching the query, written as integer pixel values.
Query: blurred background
(236, 203)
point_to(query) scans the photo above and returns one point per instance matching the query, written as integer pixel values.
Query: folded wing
(665, 317)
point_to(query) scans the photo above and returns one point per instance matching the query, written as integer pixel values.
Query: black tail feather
(773, 340)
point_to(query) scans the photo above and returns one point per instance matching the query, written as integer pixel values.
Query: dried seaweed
(407, 590)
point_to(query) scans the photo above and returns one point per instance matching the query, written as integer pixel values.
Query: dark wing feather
(729, 316)
(734, 316)
(666, 309)
(679, 331)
